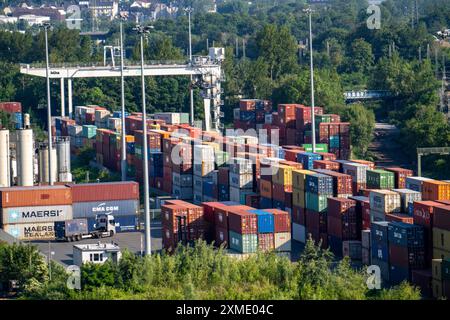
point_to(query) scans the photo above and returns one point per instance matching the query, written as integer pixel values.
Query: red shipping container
(423, 212)
(298, 215)
(316, 220)
(282, 221)
(441, 217)
(294, 164)
(327, 156)
(221, 237)
(400, 176)
(266, 242)
(35, 196)
(365, 215)
(247, 104)
(221, 214)
(252, 200)
(209, 209)
(326, 164)
(242, 222)
(88, 192)
(278, 191)
(265, 188)
(411, 258)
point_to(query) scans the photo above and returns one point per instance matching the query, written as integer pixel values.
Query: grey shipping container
(116, 208)
(36, 214)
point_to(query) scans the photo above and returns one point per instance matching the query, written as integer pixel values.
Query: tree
(362, 124)
(361, 58)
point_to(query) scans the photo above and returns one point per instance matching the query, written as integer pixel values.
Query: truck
(77, 229)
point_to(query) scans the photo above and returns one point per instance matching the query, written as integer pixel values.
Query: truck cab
(105, 223)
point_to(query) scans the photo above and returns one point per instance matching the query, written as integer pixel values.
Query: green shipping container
(138, 151)
(320, 147)
(380, 179)
(221, 158)
(89, 131)
(317, 202)
(247, 243)
(322, 118)
(184, 117)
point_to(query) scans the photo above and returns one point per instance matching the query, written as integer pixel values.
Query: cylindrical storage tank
(25, 153)
(63, 153)
(44, 166)
(5, 168)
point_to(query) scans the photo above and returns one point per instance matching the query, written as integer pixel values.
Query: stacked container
(400, 175)
(243, 231)
(380, 247)
(29, 213)
(380, 179)
(240, 179)
(441, 232)
(299, 204)
(121, 199)
(382, 202)
(406, 250)
(203, 156)
(358, 173)
(366, 242)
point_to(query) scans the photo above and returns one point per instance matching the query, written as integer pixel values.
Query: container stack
(243, 231)
(441, 232)
(383, 202)
(121, 199)
(380, 247)
(358, 173)
(344, 227)
(400, 175)
(205, 178)
(182, 222)
(440, 278)
(251, 114)
(307, 159)
(342, 183)
(380, 179)
(406, 250)
(318, 188)
(182, 168)
(366, 256)
(29, 213)
(241, 179)
(282, 186)
(299, 205)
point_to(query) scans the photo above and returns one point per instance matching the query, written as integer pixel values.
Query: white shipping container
(385, 201)
(36, 214)
(283, 241)
(168, 117)
(115, 124)
(356, 170)
(298, 232)
(234, 194)
(203, 153)
(408, 196)
(415, 183)
(102, 115)
(74, 130)
(241, 165)
(241, 181)
(31, 231)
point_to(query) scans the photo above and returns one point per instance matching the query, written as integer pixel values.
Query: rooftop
(98, 246)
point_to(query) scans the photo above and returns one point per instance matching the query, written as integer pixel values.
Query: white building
(96, 253)
(31, 19)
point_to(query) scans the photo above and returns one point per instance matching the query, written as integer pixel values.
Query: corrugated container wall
(106, 191)
(35, 196)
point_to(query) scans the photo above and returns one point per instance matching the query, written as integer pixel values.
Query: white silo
(63, 152)
(43, 163)
(5, 169)
(25, 157)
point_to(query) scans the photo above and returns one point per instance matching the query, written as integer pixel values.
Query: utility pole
(420, 54)
(243, 48)
(123, 160)
(46, 26)
(328, 48)
(237, 48)
(428, 51)
(143, 31)
(189, 11)
(313, 120)
(207, 45)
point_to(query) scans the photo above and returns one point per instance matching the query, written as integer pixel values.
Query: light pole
(313, 118)
(123, 164)
(46, 26)
(189, 11)
(143, 31)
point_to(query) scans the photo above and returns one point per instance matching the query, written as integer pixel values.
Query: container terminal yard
(233, 189)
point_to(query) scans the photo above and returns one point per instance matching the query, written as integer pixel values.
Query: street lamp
(46, 26)
(143, 32)
(123, 160)
(189, 11)
(313, 120)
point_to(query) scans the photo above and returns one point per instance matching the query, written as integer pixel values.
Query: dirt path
(386, 149)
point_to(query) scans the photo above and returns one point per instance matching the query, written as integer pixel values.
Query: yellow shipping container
(440, 254)
(155, 126)
(283, 175)
(437, 288)
(298, 178)
(129, 138)
(435, 190)
(298, 198)
(436, 269)
(441, 239)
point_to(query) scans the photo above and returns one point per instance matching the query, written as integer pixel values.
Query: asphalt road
(133, 241)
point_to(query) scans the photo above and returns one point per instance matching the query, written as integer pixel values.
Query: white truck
(77, 229)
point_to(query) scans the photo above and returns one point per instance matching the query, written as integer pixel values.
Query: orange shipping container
(87, 192)
(435, 190)
(35, 196)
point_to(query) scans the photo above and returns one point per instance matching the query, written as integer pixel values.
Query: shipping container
(242, 222)
(352, 249)
(36, 214)
(400, 175)
(265, 221)
(35, 196)
(404, 234)
(299, 232)
(266, 242)
(441, 239)
(385, 201)
(105, 191)
(243, 243)
(282, 241)
(435, 190)
(407, 197)
(441, 216)
(114, 207)
(31, 231)
(380, 179)
(415, 183)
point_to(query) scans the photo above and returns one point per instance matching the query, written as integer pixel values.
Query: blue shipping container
(406, 235)
(278, 205)
(265, 203)
(380, 251)
(307, 159)
(379, 232)
(208, 187)
(265, 221)
(223, 192)
(335, 245)
(319, 183)
(398, 274)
